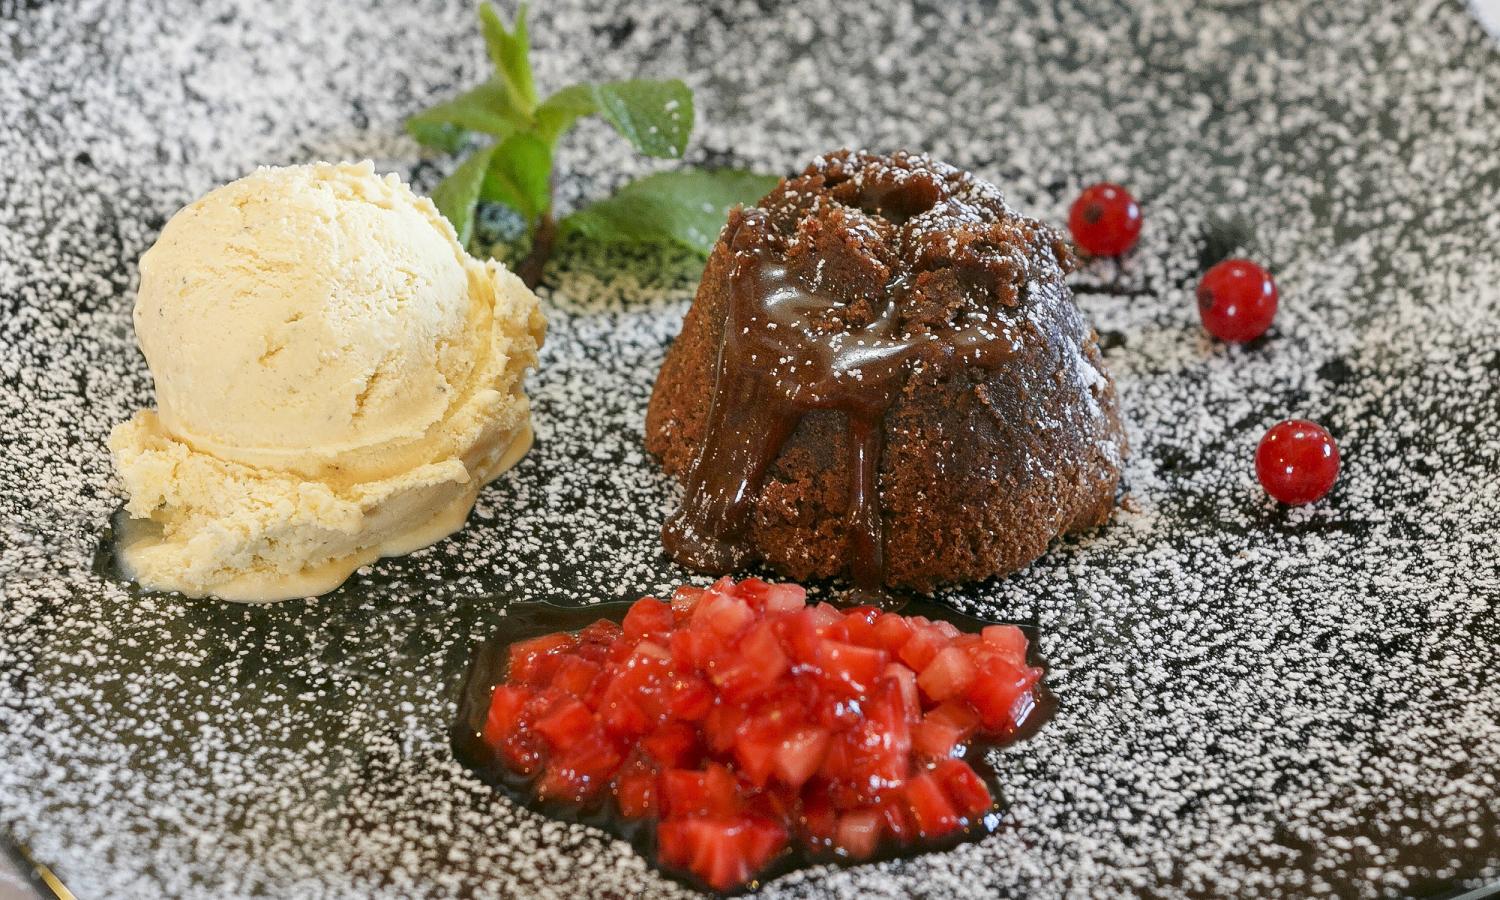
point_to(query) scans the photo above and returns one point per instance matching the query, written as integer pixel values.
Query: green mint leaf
(687, 208)
(520, 175)
(655, 116)
(443, 136)
(486, 108)
(457, 194)
(510, 51)
(559, 111)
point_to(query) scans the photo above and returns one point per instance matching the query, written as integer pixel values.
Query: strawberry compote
(736, 732)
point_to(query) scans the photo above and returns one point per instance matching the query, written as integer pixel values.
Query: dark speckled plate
(1252, 701)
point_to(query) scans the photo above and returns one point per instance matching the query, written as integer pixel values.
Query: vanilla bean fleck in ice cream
(336, 378)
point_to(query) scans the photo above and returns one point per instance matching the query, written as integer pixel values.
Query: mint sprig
(510, 51)
(685, 208)
(456, 195)
(486, 109)
(515, 167)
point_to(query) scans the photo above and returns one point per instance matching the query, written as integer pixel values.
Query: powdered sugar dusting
(1254, 701)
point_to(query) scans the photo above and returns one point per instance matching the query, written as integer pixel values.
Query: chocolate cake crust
(884, 376)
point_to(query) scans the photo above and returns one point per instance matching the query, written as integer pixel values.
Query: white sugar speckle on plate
(1253, 701)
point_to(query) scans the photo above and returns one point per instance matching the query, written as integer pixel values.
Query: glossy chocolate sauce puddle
(779, 360)
(527, 620)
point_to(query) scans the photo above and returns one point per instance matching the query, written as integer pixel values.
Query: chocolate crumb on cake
(884, 376)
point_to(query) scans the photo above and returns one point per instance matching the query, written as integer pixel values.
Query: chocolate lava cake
(884, 376)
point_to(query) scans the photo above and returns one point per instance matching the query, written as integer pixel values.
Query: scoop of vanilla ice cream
(335, 378)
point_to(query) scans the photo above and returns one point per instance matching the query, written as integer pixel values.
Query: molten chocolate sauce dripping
(779, 359)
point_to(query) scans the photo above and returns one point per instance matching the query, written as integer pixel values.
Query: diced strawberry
(854, 667)
(1008, 640)
(971, 645)
(856, 626)
(647, 616)
(707, 792)
(825, 614)
(967, 639)
(622, 716)
(542, 701)
(723, 792)
(784, 598)
(631, 681)
(752, 591)
(724, 853)
(723, 614)
(650, 653)
(836, 759)
(580, 770)
(592, 651)
(943, 729)
(971, 798)
(761, 842)
(948, 675)
(758, 740)
(565, 724)
(947, 629)
(684, 599)
(524, 752)
(819, 822)
(738, 713)
(601, 632)
(801, 634)
(750, 667)
(931, 810)
(776, 803)
(898, 823)
(682, 792)
(922, 646)
(907, 679)
(835, 711)
(593, 698)
(755, 747)
(887, 706)
(721, 725)
(686, 697)
(838, 631)
(858, 833)
(800, 754)
(575, 675)
(640, 679)
(680, 844)
(533, 662)
(619, 651)
(671, 746)
(693, 649)
(891, 632)
(878, 750)
(506, 704)
(636, 794)
(999, 693)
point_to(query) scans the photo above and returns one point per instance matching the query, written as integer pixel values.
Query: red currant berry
(1105, 220)
(1237, 300)
(1297, 462)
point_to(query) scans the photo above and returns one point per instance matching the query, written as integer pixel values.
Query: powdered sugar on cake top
(1254, 701)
